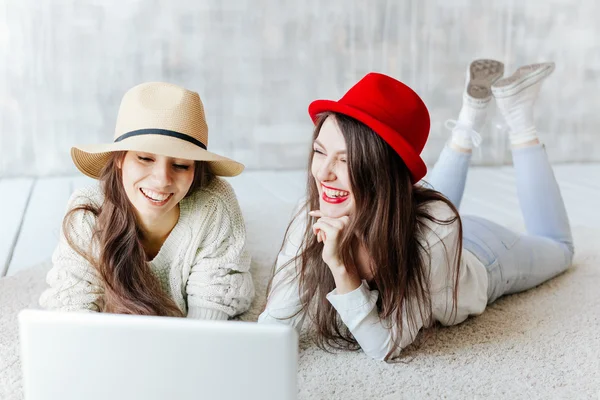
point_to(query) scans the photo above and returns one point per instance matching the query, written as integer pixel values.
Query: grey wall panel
(65, 64)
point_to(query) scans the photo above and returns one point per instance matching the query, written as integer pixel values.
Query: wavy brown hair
(130, 286)
(383, 192)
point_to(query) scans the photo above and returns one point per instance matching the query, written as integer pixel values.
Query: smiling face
(329, 168)
(155, 184)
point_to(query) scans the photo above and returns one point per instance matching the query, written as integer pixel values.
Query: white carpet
(544, 343)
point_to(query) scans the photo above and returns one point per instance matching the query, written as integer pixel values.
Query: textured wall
(64, 65)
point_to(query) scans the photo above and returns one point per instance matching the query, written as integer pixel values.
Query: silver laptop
(70, 355)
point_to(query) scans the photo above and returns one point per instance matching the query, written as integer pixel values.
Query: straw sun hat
(158, 118)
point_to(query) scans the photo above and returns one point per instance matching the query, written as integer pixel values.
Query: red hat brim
(412, 160)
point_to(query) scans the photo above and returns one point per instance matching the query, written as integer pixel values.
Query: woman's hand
(329, 231)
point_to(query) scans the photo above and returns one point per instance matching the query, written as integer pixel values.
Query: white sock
(470, 121)
(523, 136)
(517, 111)
(519, 118)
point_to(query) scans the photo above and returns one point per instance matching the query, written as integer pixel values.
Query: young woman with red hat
(161, 234)
(373, 256)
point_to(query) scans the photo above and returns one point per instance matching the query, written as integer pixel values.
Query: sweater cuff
(206, 313)
(353, 300)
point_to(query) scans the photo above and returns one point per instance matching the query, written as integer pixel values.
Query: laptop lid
(71, 355)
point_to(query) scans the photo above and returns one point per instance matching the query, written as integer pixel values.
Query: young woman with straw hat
(372, 256)
(162, 234)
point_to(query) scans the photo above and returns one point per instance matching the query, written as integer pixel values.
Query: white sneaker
(515, 97)
(523, 78)
(481, 74)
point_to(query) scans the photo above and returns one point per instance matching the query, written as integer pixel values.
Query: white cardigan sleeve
(74, 283)
(358, 311)
(283, 301)
(220, 285)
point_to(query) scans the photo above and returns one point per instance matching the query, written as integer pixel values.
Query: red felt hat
(392, 109)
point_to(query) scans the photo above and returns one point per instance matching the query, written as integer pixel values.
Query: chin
(151, 211)
(334, 210)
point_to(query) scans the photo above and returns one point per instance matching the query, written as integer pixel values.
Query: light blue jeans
(514, 261)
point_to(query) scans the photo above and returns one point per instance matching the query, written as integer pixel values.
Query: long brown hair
(130, 287)
(383, 192)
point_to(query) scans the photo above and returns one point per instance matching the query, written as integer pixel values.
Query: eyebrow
(321, 144)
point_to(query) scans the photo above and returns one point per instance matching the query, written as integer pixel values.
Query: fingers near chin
(315, 213)
(333, 222)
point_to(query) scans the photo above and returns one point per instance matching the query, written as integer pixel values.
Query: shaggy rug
(544, 343)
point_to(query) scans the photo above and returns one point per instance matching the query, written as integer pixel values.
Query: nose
(161, 175)
(326, 171)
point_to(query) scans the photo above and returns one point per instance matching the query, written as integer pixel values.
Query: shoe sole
(523, 78)
(482, 75)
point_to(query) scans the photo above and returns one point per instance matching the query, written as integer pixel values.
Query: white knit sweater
(202, 264)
